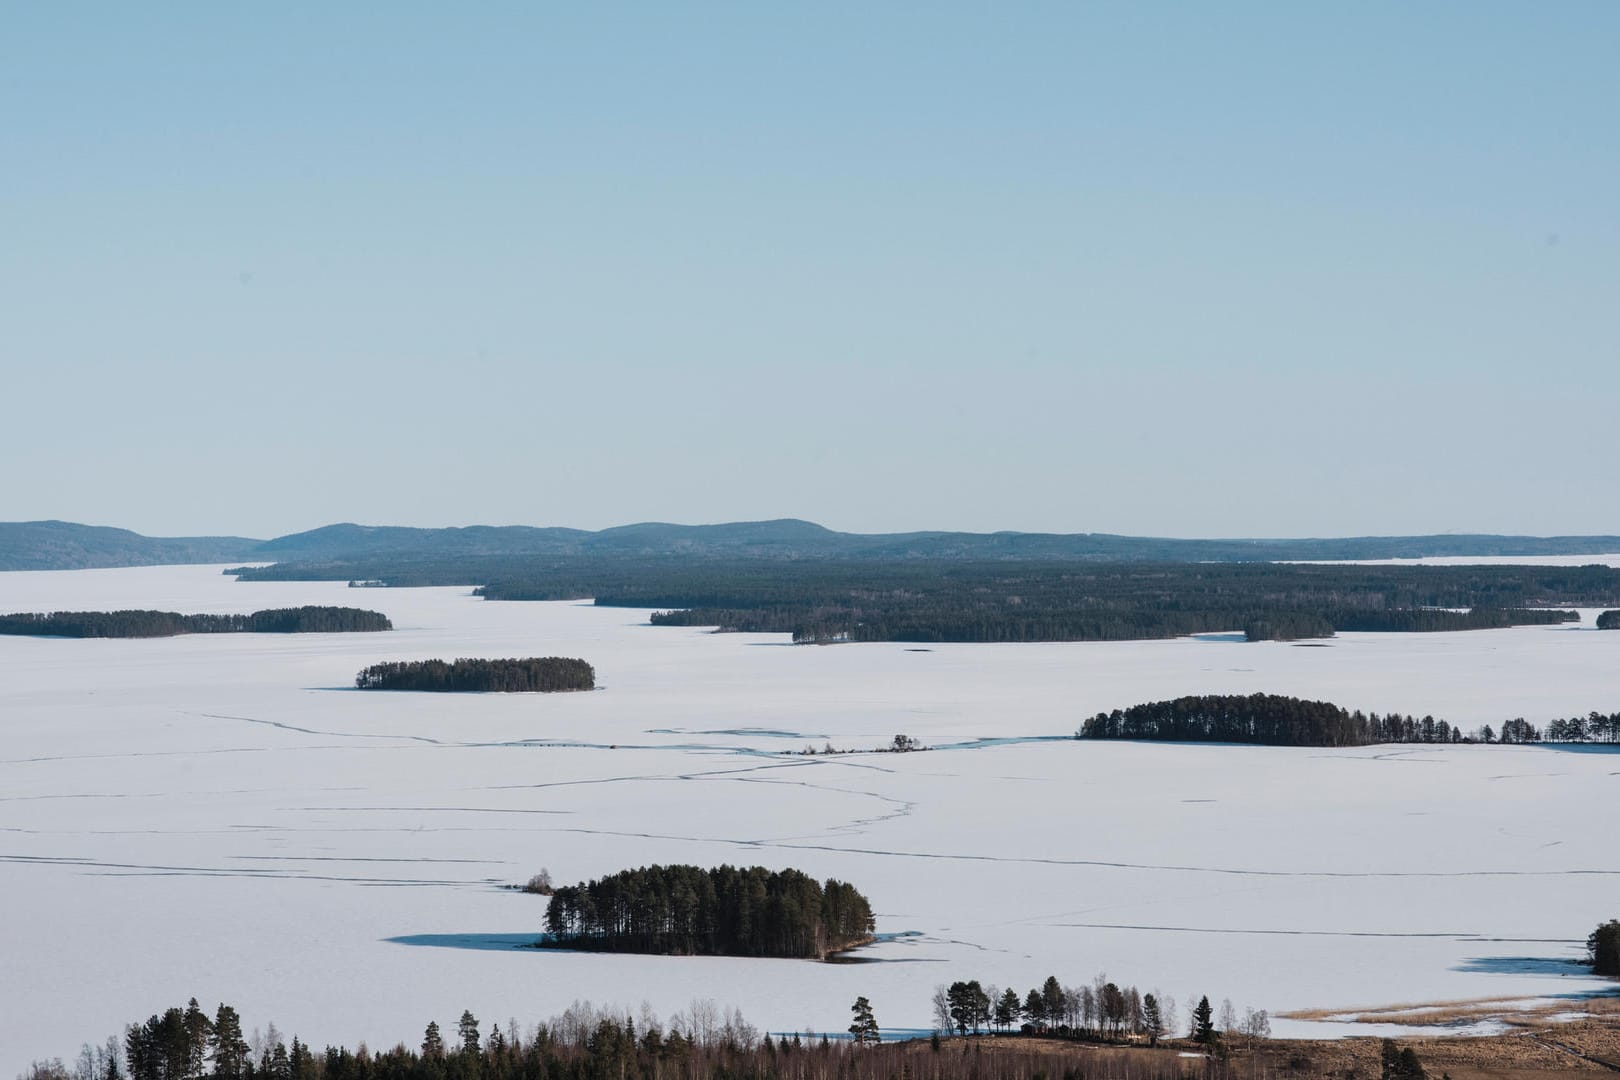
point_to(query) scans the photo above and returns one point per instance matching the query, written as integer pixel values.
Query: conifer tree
(864, 1029)
(432, 1042)
(1008, 1010)
(468, 1032)
(1152, 1019)
(1035, 1009)
(1203, 1025)
(227, 1048)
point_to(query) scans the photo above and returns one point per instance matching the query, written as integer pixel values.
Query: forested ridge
(723, 911)
(535, 674)
(146, 624)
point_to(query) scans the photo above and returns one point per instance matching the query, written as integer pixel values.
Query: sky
(1172, 269)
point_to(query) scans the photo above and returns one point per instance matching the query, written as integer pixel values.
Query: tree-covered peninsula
(149, 624)
(536, 674)
(724, 911)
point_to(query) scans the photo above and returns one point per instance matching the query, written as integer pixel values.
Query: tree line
(1595, 727)
(723, 911)
(148, 624)
(1265, 720)
(1275, 720)
(937, 599)
(536, 674)
(1101, 1011)
(702, 1042)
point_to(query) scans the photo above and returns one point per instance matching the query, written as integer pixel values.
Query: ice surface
(222, 816)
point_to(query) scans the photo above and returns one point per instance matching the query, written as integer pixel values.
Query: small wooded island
(536, 674)
(148, 624)
(1264, 719)
(724, 911)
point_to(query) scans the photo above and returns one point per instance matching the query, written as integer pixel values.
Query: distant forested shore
(1276, 720)
(937, 599)
(149, 624)
(724, 911)
(536, 674)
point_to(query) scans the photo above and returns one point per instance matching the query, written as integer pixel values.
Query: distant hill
(795, 539)
(63, 545)
(59, 545)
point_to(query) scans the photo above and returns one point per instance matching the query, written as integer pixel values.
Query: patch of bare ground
(1516, 1012)
(1544, 1043)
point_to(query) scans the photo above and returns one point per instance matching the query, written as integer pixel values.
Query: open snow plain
(224, 817)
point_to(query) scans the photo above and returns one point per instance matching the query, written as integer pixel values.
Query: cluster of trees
(1609, 620)
(1102, 1010)
(1603, 948)
(1275, 720)
(938, 599)
(585, 1043)
(723, 911)
(1264, 719)
(537, 674)
(147, 624)
(1595, 727)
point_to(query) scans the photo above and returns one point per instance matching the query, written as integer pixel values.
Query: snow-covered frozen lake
(224, 817)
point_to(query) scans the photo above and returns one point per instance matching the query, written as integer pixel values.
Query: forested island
(1275, 720)
(724, 911)
(536, 674)
(1609, 620)
(1262, 719)
(150, 624)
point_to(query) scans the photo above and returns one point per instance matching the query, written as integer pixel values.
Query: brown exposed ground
(1542, 1043)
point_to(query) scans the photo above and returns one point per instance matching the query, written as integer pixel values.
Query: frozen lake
(224, 817)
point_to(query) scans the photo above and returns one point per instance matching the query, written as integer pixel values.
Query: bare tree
(943, 1023)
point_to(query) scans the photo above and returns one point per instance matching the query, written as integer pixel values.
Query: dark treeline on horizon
(944, 600)
(147, 624)
(723, 911)
(536, 674)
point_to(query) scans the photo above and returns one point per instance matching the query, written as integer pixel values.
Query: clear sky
(1177, 269)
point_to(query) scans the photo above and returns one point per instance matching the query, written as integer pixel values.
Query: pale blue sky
(1214, 269)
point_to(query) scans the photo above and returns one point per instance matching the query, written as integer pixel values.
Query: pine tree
(197, 1031)
(1203, 1025)
(864, 1029)
(432, 1042)
(1152, 1019)
(227, 1048)
(1055, 1000)
(1008, 1010)
(1035, 1009)
(468, 1031)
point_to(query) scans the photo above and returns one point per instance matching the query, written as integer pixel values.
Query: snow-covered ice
(222, 816)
